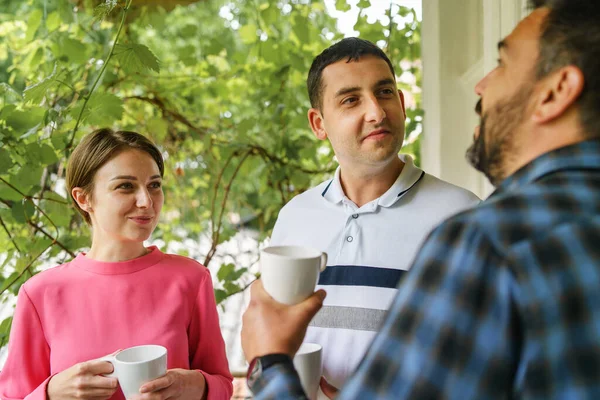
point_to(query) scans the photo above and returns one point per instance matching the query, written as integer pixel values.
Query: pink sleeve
(26, 372)
(207, 348)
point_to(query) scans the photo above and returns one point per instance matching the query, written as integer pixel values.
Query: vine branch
(9, 235)
(49, 199)
(173, 114)
(24, 270)
(54, 240)
(242, 288)
(216, 190)
(87, 98)
(28, 198)
(217, 232)
(203, 130)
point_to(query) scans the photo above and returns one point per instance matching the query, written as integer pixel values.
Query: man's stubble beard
(497, 141)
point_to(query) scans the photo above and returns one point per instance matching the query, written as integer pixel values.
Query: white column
(452, 53)
(459, 41)
(431, 155)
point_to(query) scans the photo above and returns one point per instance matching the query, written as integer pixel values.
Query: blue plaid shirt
(503, 300)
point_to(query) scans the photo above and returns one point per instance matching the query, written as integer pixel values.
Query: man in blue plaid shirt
(503, 301)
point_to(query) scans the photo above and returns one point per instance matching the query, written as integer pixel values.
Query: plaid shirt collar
(583, 155)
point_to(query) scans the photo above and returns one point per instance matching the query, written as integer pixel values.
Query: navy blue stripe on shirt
(357, 275)
(327, 188)
(411, 186)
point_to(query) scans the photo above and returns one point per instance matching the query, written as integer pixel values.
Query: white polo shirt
(368, 248)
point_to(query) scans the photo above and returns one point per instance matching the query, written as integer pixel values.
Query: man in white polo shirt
(372, 217)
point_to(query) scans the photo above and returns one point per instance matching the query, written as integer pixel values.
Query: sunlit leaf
(35, 93)
(29, 175)
(8, 194)
(248, 33)
(53, 21)
(5, 161)
(104, 9)
(342, 5)
(60, 213)
(101, 109)
(23, 121)
(231, 287)
(6, 111)
(60, 140)
(8, 93)
(220, 295)
(5, 325)
(237, 274)
(55, 196)
(136, 58)
(8, 280)
(18, 212)
(47, 155)
(33, 23)
(301, 30)
(225, 271)
(72, 49)
(40, 245)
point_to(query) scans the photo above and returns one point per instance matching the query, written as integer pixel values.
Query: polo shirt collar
(333, 191)
(583, 155)
(407, 179)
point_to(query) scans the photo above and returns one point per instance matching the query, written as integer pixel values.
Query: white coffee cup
(307, 363)
(290, 273)
(137, 365)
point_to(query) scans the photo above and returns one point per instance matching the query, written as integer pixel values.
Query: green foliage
(226, 103)
(136, 58)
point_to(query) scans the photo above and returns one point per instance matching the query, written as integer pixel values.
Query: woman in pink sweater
(120, 294)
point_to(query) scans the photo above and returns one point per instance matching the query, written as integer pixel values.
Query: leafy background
(220, 87)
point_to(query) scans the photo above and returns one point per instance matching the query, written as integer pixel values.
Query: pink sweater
(86, 309)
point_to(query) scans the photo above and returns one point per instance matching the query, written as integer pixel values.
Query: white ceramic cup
(307, 362)
(290, 273)
(137, 365)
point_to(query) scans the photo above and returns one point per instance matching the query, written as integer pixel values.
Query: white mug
(137, 365)
(307, 363)
(290, 273)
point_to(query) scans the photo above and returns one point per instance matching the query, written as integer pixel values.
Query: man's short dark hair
(571, 36)
(349, 48)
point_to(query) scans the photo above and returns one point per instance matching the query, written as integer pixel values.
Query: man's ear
(315, 119)
(82, 199)
(402, 101)
(559, 92)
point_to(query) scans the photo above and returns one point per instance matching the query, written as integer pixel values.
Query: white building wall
(459, 48)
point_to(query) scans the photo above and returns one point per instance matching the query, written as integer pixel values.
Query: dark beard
(476, 152)
(491, 151)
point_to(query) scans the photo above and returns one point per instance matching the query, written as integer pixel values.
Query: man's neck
(362, 185)
(562, 134)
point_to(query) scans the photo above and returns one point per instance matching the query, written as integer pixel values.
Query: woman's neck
(116, 251)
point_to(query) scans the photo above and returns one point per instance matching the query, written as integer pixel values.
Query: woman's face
(127, 198)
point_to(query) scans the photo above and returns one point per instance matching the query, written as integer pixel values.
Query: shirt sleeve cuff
(279, 381)
(217, 386)
(40, 392)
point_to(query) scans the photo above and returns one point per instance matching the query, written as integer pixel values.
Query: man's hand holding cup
(270, 327)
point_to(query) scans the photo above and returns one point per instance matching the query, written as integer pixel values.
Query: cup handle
(110, 359)
(323, 261)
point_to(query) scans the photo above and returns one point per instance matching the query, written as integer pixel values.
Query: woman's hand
(83, 381)
(181, 384)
